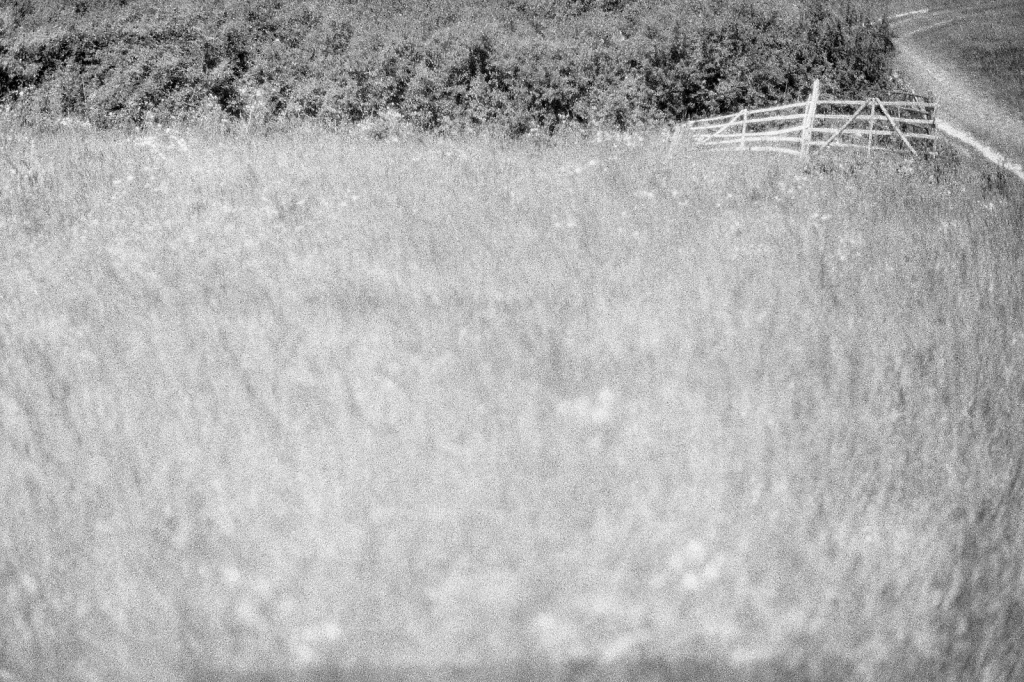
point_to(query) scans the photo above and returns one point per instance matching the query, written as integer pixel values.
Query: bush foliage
(522, 65)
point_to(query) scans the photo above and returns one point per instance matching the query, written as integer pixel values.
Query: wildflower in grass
(314, 642)
(596, 410)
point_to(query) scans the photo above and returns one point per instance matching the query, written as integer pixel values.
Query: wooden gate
(906, 125)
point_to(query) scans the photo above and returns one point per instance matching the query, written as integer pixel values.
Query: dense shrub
(440, 65)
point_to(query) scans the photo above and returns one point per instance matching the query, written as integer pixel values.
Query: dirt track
(961, 104)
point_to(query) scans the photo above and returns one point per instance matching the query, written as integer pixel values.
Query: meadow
(311, 405)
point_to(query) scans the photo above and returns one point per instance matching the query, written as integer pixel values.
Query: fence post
(743, 133)
(871, 127)
(808, 129)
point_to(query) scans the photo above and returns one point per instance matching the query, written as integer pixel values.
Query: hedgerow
(439, 65)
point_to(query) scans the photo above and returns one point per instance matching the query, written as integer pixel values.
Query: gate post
(871, 127)
(808, 129)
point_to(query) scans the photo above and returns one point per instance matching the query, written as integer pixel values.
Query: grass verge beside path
(310, 402)
(985, 45)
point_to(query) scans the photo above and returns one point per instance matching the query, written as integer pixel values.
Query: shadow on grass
(832, 669)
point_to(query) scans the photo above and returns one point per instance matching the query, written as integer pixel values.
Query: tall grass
(570, 408)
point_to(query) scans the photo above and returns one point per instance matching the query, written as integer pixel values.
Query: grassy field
(585, 408)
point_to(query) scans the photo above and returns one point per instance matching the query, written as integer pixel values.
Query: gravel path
(965, 111)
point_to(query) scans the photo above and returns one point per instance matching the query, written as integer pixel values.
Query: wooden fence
(803, 127)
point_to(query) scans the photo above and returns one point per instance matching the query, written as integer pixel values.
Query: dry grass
(570, 409)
